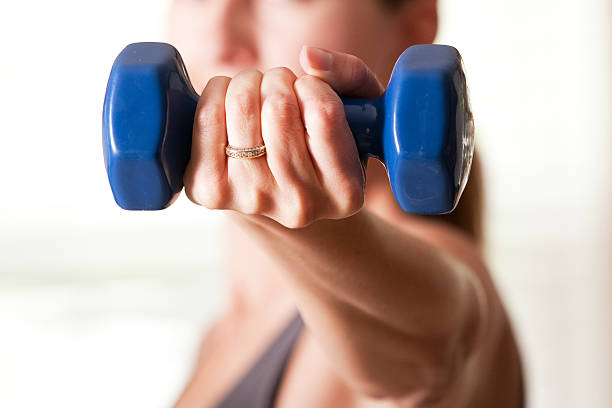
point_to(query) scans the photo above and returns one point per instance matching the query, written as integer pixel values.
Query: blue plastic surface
(421, 127)
(147, 124)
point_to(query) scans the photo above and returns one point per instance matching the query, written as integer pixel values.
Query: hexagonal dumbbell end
(428, 140)
(147, 125)
(421, 128)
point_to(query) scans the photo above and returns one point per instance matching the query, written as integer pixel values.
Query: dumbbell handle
(362, 116)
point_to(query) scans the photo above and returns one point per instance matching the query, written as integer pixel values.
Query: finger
(242, 106)
(347, 74)
(206, 173)
(251, 182)
(282, 128)
(331, 143)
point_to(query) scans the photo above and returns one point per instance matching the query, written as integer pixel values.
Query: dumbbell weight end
(147, 126)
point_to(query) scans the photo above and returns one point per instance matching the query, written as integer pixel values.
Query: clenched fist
(311, 169)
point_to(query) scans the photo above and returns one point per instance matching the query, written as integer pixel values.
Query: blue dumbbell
(421, 128)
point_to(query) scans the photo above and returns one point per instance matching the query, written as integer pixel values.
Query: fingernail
(319, 59)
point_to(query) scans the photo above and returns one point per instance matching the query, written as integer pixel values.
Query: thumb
(345, 73)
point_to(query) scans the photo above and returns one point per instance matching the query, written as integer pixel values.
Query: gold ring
(245, 152)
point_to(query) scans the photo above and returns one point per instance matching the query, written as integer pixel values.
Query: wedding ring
(245, 152)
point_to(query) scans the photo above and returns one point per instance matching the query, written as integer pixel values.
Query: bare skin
(399, 311)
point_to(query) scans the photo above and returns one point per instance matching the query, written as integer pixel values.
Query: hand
(311, 170)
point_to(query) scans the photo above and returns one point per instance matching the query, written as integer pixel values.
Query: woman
(398, 310)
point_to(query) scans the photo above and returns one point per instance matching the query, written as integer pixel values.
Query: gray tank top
(259, 386)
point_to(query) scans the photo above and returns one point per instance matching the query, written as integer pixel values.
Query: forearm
(393, 311)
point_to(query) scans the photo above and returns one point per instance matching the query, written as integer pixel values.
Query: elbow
(431, 370)
(448, 357)
(431, 366)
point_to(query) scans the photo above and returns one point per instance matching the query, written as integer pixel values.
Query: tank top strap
(259, 386)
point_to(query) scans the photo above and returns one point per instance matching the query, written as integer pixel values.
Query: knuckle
(210, 198)
(291, 223)
(248, 75)
(217, 81)
(209, 115)
(350, 198)
(243, 103)
(306, 81)
(327, 112)
(302, 210)
(282, 106)
(256, 203)
(282, 71)
(205, 193)
(359, 72)
(242, 96)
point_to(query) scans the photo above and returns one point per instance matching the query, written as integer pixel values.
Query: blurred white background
(101, 308)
